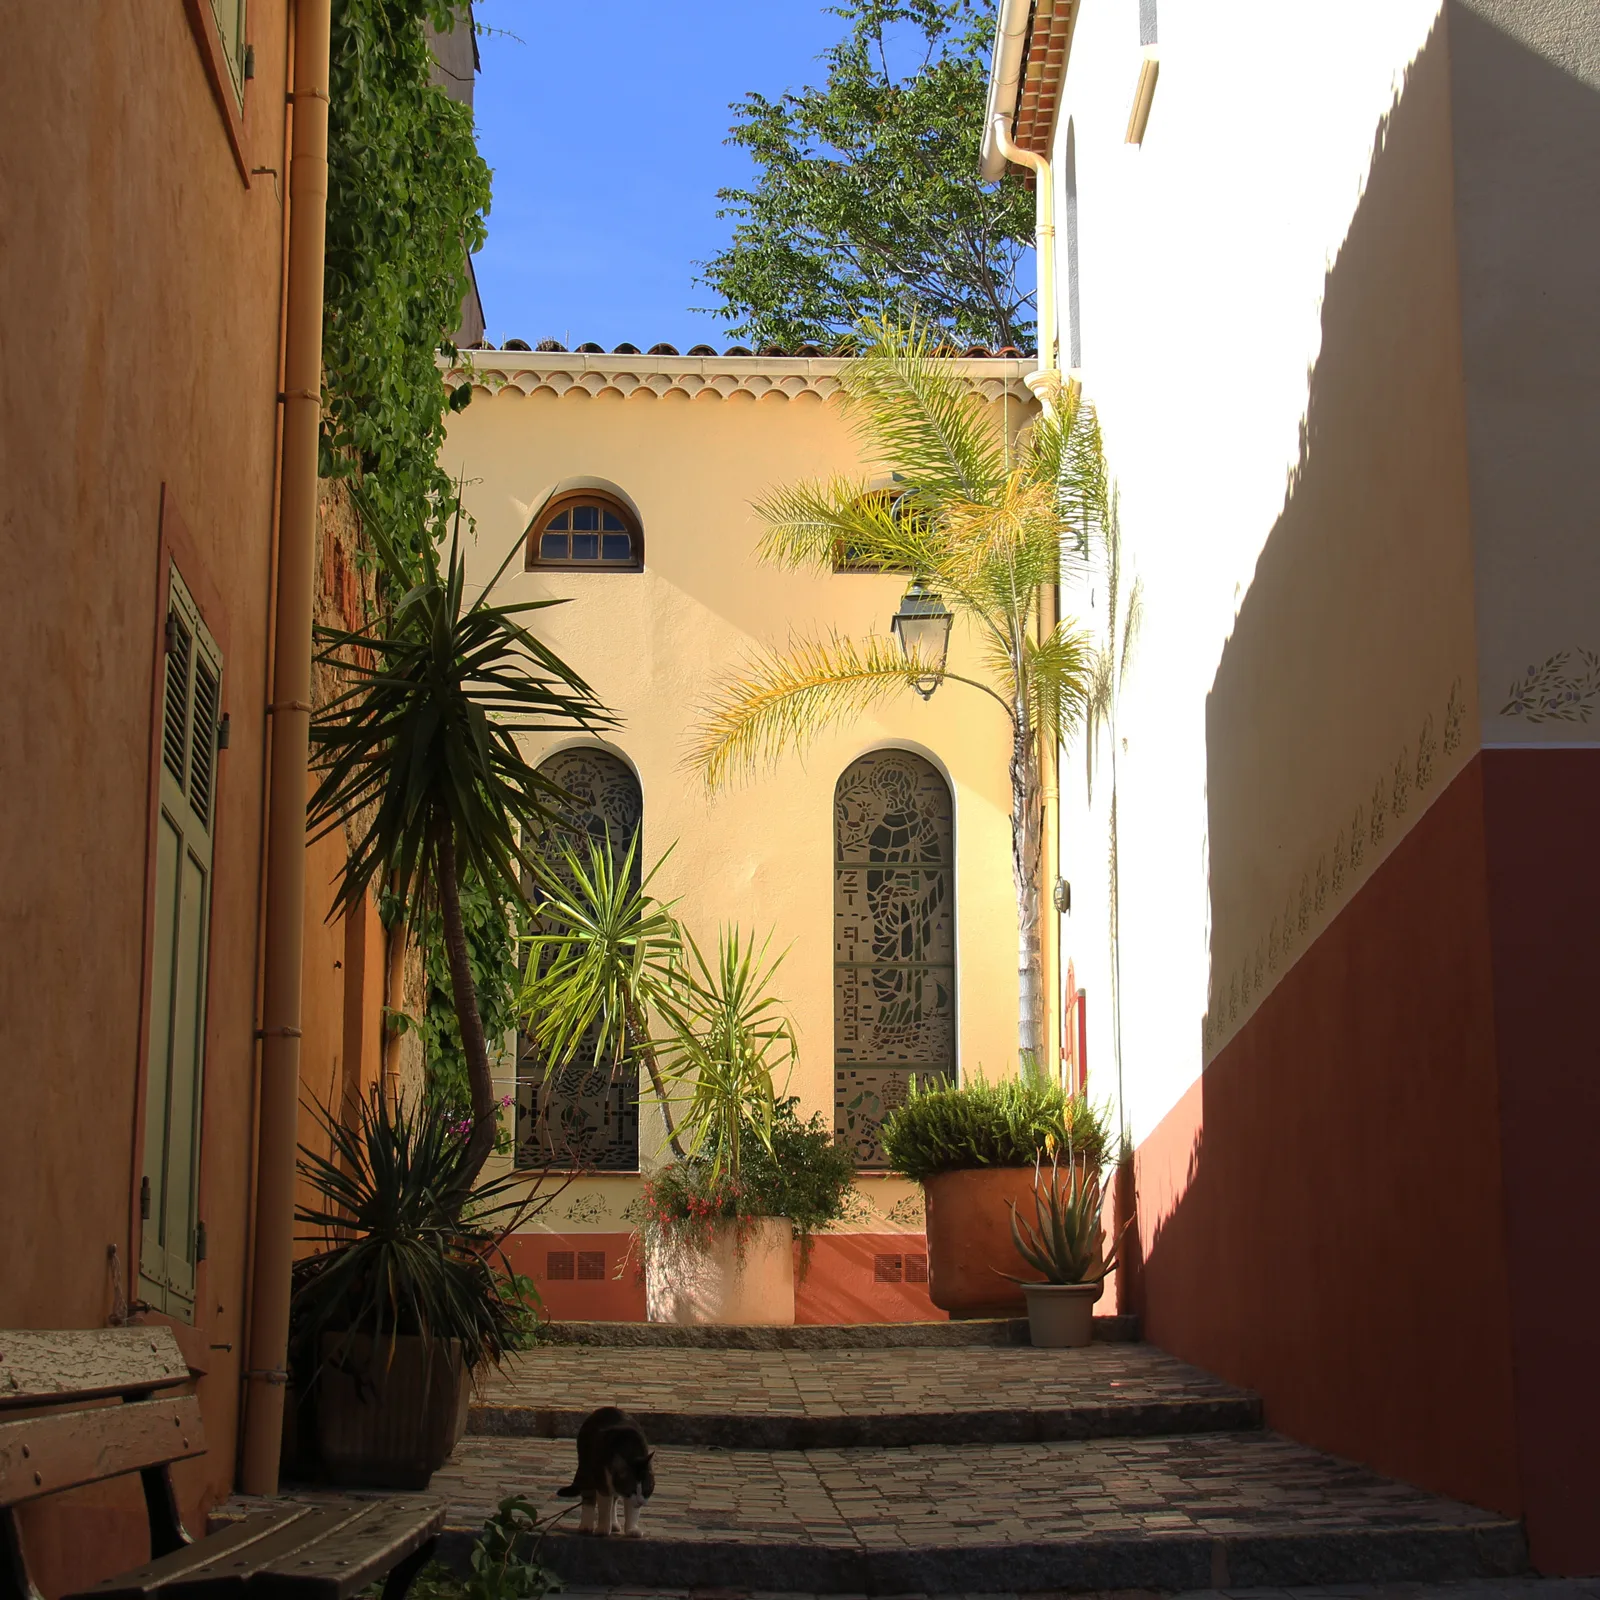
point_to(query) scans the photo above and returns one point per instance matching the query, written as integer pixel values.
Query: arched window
(586, 531)
(583, 1112)
(894, 992)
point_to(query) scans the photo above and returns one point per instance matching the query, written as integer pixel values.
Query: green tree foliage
(407, 195)
(867, 201)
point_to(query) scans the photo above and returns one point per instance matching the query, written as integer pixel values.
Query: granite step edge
(819, 1336)
(1237, 1413)
(1417, 1553)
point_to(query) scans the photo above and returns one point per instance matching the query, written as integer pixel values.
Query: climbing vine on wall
(407, 197)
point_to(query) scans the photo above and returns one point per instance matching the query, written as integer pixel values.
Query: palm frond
(919, 418)
(424, 735)
(782, 702)
(1060, 675)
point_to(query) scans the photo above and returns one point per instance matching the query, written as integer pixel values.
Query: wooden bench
(77, 1408)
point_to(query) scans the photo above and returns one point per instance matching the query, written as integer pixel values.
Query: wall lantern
(922, 625)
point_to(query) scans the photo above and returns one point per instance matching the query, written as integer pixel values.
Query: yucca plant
(399, 1254)
(421, 754)
(605, 953)
(988, 526)
(1066, 1245)
(727, 1036)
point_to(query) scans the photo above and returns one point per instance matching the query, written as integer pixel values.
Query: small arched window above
(850, 556)
(586, 531)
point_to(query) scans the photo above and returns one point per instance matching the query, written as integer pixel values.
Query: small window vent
(591, 1264)
(558, 1265)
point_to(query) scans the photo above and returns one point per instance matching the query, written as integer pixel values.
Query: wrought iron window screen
(583, 1113)
(893, 941)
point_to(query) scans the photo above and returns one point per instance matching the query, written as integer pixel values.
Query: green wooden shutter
(191, 703)
(230, 25)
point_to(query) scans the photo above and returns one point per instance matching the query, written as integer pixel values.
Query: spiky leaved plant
(1067, 1245)
(422, 753)
(603, 956)
(986, 525)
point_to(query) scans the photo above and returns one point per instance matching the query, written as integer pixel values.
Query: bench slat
(47, 1368)
(44, 1455)
(283, 1544)
(345, 1560)
(208, 1553)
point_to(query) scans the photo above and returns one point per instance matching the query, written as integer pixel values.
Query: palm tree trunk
(1027, 850)
(639, 1039)
(480, 1143)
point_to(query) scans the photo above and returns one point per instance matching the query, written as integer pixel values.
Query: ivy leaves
(407, 197)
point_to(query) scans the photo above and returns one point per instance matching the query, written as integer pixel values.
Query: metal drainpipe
(266, 1374)
(1047, 375)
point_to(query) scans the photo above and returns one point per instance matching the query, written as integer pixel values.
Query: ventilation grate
(558, 1265)
(180, 655)
(591, 1264)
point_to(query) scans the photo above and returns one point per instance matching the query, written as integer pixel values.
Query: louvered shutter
(191, 705)
(230, 25)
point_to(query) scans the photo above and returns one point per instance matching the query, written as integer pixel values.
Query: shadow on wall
(1323, 1214)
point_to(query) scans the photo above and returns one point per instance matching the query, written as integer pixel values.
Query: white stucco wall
(1224, 280)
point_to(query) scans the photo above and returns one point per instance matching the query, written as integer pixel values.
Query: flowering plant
(804, 1175)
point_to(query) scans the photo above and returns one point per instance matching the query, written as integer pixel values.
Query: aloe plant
(1066, 1245)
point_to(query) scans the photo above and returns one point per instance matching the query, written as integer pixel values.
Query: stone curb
(882, 1430)
(819, 1336)
(1171, 1562)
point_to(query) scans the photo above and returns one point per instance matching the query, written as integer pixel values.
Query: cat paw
(634, 1533)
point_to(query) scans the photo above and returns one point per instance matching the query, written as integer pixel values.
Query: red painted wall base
(852, 1277)
(1377, 1206)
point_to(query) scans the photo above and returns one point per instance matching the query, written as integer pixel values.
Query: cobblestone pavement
(1217, 1485)
(1495, 1589)
(831, 1383)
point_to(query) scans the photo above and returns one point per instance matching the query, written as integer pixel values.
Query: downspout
(1045, 379)
(266, 1375)
(999, 148)
(1005, 84)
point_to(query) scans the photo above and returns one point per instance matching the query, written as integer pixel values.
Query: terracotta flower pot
(389, 1422)
(1061, 1315)
(720, 1283)
(969, 1239)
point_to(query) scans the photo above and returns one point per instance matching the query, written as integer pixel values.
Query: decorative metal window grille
(584, 1112)
(894, 996)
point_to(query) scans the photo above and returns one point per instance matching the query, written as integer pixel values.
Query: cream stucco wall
(654, 643)
(1270, 327)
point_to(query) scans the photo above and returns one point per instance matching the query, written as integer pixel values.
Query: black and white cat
(613, 1467)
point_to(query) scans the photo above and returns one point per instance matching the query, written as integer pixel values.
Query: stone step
(837, 1399)
(819, 1336)
(1194, 1512)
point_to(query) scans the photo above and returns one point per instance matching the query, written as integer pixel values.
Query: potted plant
(1065, 1243)
(409, 1296)
(974, 1149)
(720, 1260)
(700, 1226)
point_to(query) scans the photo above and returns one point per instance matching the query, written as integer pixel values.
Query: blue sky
(604, 127)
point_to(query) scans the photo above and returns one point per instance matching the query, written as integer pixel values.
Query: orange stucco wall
(140, 292)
